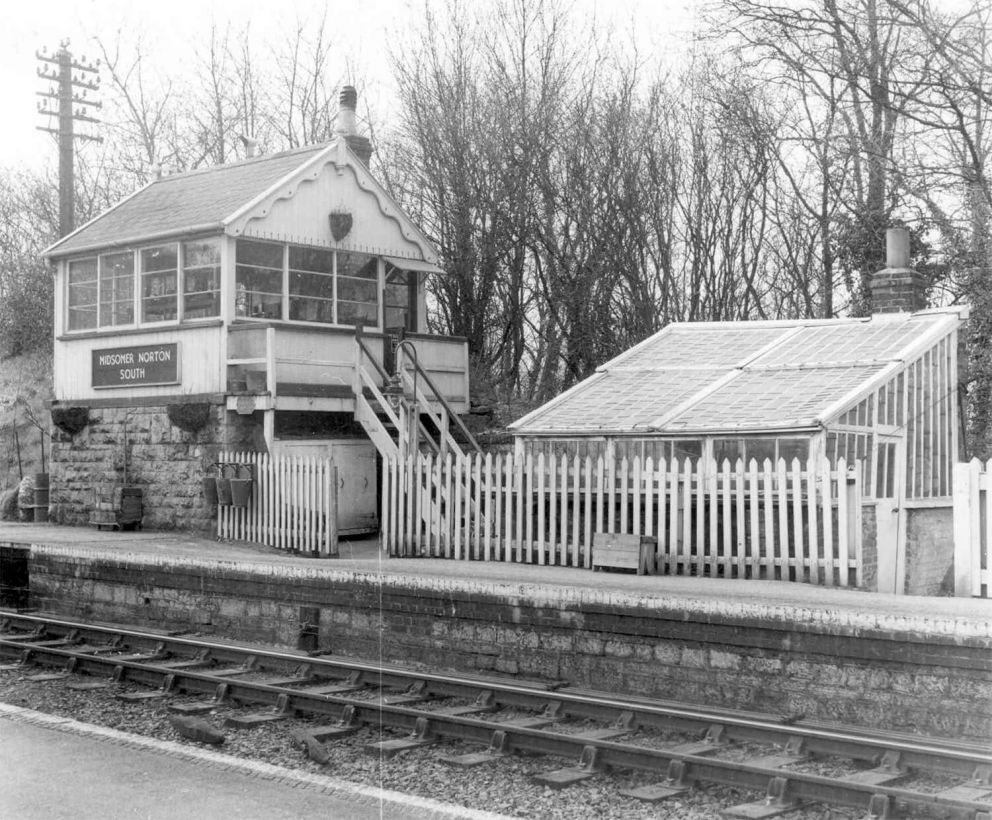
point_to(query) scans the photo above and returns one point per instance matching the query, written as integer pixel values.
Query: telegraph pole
(75, 80)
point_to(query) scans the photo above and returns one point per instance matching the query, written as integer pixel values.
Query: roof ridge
(303, 149)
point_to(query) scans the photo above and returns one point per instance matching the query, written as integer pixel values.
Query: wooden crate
(611, 550)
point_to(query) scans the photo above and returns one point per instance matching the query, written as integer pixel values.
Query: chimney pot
(349, 97)
(347, 125)
(897, 248)
(897, 288)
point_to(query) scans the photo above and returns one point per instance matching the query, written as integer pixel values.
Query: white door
(355, 460)
(357, 507)
(889, 487)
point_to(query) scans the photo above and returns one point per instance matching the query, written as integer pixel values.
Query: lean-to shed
(882, 389)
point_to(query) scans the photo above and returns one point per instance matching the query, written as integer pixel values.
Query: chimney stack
(897, 288)
(347, 125)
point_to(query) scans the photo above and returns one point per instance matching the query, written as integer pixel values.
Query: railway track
(880, 774)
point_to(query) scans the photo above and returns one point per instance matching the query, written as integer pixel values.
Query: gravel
(504, 786)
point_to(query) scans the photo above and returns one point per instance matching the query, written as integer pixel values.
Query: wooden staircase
(401, 428)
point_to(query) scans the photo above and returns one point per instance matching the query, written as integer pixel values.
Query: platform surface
(967, 617)
(106, 774)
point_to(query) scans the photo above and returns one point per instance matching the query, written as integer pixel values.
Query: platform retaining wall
(794, 662)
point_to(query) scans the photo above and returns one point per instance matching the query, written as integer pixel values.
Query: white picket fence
(293, 504)
(972, 529)
(787, 521)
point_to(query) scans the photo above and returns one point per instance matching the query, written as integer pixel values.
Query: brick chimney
(347, 125)
(897, 287)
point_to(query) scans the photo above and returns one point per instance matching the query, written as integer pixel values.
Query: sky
(166, 30)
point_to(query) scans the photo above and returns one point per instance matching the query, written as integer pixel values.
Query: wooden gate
(972, 529)
(292, 503)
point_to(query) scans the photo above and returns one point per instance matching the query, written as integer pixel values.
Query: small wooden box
(618, 551)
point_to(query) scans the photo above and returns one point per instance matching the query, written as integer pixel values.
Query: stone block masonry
(139, 446)
(908, 674)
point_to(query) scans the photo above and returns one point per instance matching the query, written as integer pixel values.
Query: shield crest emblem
(340, 224)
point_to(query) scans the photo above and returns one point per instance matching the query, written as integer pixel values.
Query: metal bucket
(241, 486)
(224, 487)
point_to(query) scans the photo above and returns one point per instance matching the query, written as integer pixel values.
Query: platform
(938, 616)
(106, 773)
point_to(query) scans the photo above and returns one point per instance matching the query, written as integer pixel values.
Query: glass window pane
(259, 278)
(159, 275)
(759, 449)
(397, 317)
(311, 310)
(311, 259)
(82, 270)
(82, 294)
(201, 279)
(356, 290)
(397, 295)
(790, 448)
(359, 265)
(263, 254)
(351, 312)
(311, 284)
(727, 448)
(117, 289)
(201, 254)
(687, 448)
(161, 257)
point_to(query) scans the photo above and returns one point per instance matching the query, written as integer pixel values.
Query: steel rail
(926, 754)
(794, 786)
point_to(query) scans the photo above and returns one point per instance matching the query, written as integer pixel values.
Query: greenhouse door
(890, 491)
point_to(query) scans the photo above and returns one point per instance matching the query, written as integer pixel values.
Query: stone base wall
(782, 660)
(141, 447)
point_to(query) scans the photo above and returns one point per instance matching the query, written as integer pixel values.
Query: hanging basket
(224, 486)
(241, 486)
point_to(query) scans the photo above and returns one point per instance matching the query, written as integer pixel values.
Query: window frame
(95, 258)
(218, 290)
(100, 325)
(137, 299)
(140, 290)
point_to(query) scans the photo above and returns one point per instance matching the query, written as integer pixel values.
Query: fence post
(967, 537)
(332, 512)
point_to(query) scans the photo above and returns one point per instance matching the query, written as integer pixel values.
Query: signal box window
(357, 284)
(401, 299)
(159, 274)
(117, 289)
(82, 294)
(259, 280)
(311, 285)
(201, 279)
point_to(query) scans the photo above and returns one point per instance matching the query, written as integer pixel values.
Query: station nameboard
(128, 366)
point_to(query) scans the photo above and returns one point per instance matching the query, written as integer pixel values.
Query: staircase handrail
(369, 382)
(451, 413)
(370, 355)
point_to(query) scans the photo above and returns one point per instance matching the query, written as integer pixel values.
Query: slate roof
(175, 204)
(740, 376)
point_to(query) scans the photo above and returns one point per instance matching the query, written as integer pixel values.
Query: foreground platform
(105, 773)
(903, 663)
